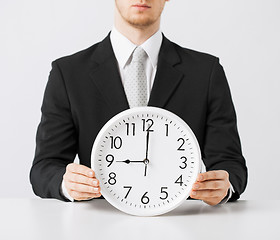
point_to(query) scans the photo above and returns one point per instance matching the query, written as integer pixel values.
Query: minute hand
(147, 144)
(146, 161)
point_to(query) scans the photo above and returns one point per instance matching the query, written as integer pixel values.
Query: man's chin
(140, 23)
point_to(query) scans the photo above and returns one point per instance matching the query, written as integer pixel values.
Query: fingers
(205, 194)
(211, 197)
(212, 175)
(81, 187)
(83, 196)
(211, 187)
(77, 178)
(80, 182)
(80, 169)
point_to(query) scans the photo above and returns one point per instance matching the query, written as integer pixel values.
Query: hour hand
(127, 161)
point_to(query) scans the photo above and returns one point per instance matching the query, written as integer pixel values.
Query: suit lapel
(105, 75)
(167, 76)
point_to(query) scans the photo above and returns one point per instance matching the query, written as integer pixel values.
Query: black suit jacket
(85, 90)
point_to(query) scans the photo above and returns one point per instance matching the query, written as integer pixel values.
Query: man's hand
(80, 182)
(211, 187)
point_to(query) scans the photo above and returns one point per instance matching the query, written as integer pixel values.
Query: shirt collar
(123, 47)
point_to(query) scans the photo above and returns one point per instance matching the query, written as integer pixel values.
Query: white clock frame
(159, 158)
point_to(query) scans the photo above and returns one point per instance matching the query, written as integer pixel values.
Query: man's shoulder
(190, 61)
(82, 60)
(196, 54)
(193, 55)
(80, 57)
(100, 50)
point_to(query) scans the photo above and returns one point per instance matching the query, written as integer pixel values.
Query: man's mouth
(141, 7)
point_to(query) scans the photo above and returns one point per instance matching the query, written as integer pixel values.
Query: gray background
(243, 34)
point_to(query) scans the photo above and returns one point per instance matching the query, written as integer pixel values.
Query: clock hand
(145, 173)
(146, 160)
(147, 143)
(127, 161)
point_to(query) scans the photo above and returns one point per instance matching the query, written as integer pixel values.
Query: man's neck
(136, 35)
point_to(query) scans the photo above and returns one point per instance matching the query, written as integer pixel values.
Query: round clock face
(146, 160)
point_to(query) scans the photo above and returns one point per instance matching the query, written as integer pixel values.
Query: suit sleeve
(56, 141)
(222, 148)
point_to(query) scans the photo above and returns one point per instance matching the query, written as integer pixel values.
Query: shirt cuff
(64, 192)
(228, 196)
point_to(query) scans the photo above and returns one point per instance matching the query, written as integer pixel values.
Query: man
(88, 88)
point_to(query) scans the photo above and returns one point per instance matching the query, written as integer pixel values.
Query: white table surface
(52, 219)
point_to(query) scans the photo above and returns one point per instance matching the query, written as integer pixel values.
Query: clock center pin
(146, 161)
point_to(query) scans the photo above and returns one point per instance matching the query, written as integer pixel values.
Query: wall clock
(146, 160)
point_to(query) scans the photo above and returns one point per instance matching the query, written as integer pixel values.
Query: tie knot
(139, 55)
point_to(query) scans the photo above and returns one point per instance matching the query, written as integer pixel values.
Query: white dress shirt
(123, 49)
